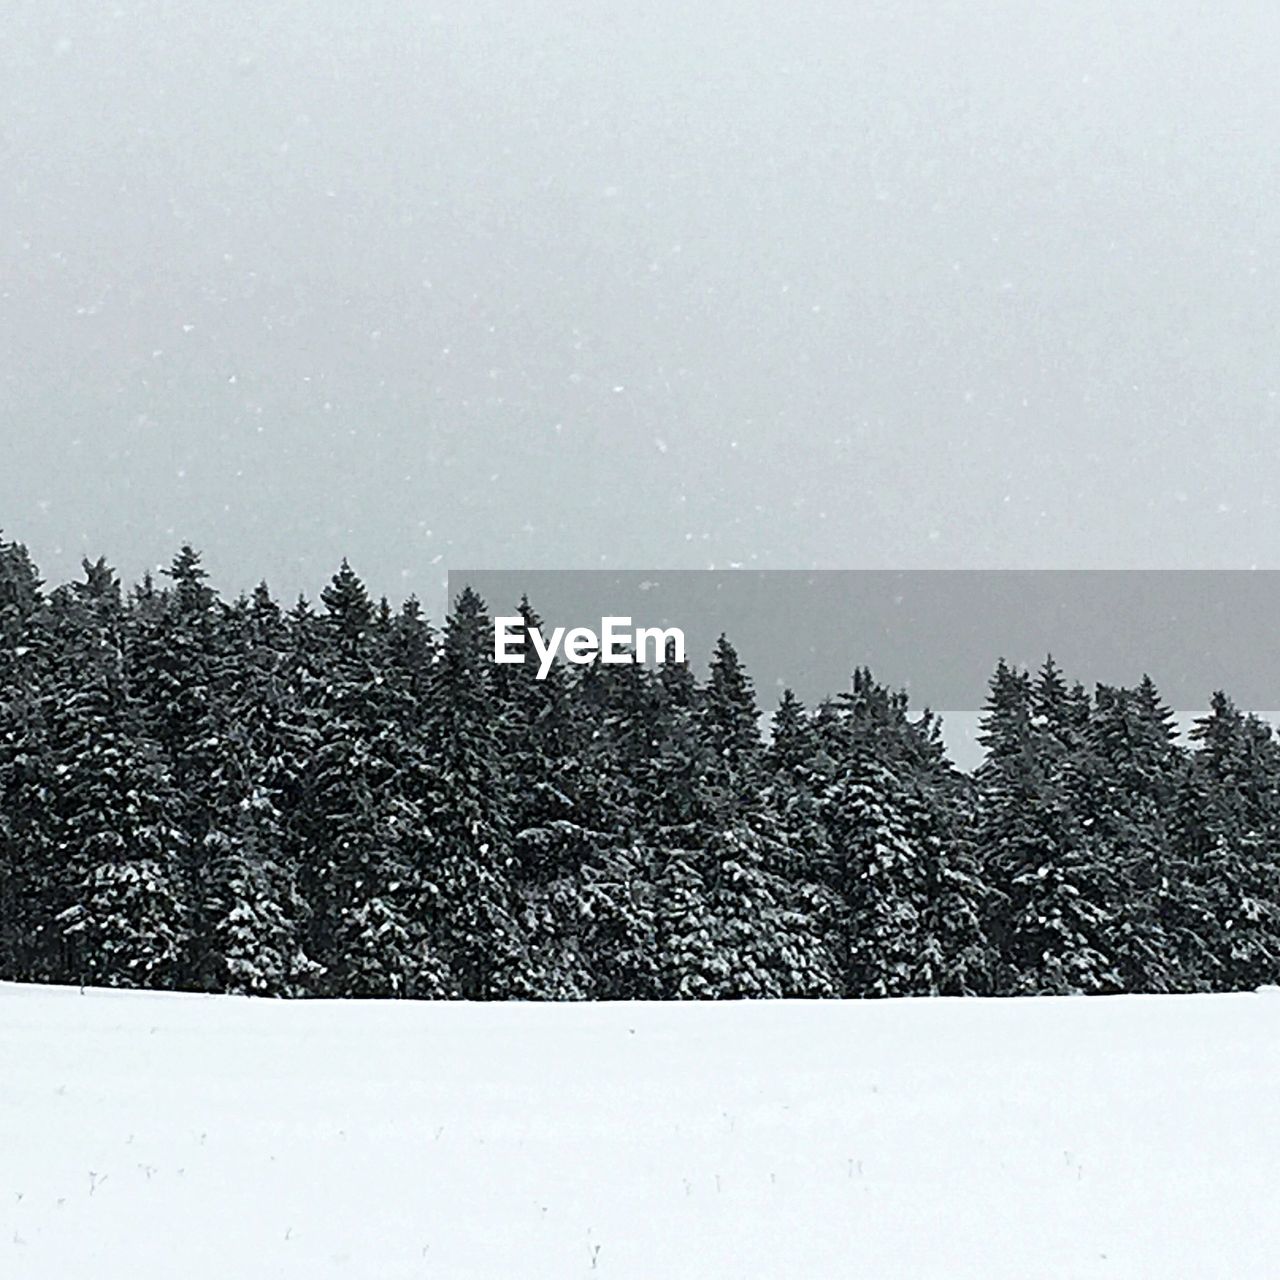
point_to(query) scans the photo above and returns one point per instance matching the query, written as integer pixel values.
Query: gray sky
(671, 285)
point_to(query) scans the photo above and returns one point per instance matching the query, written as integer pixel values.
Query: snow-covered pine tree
(252, 915)
(362, 815)
(1053, 897)
(21, 598)
(729, 924)
(1129, 796)
(251, 911)
(956, 955)
(473, 913)
(910, 895)
(798, 771)
(684, 818)
(114, 818)
(620, 738)
(410, 651)
(179, 675)
(874, 721)
(25, 658)
(1228, 850)
(881, 876)
(543, 766)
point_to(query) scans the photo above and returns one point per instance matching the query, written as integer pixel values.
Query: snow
(211, 1137)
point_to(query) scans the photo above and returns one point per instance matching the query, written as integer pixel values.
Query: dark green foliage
(117, 911)
(1228, 833)
(26, 766)
(1052, 887)
(474, 916)
(730, 922)
(220, 796)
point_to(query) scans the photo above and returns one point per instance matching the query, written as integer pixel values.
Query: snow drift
(213, 1137)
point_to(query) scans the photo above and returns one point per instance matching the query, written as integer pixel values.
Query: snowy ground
(225, 1139)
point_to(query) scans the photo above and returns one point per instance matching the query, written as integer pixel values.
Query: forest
(342, 799)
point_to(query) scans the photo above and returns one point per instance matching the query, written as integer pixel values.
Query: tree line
(209, 795)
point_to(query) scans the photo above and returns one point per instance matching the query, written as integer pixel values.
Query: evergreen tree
(363, 815)
(799, 773)
(253, 917)
(956, 955)
(176, 669)
(26, 653)
(1130, 792)
(121, 901)
(881, 879)
(1053, 894)
(20, 598)
(551, 841)
(620, 741)
(730, 925)
(252, 909)
(473, 906)
(1229, 851)
(226, 797)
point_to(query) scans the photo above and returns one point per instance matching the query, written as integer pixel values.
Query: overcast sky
(665, 285)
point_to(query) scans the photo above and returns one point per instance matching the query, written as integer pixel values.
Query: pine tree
(799, 773)
(620, 741)
(252, 911)
(870, 719)
(113, 826)
(20, 598)
(793, 743)
(222, 796)
(25, 671)
(176, 666)
(1130, 792)
(552, 841)
(956, 956)
(881, 877)
(1229, 851)
(363, 816)
(252, 916)
(473, 908)
(1053, 896)
(730, 925)
(906, 880)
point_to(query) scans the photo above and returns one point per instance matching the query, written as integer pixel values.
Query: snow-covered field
(193, 1138)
